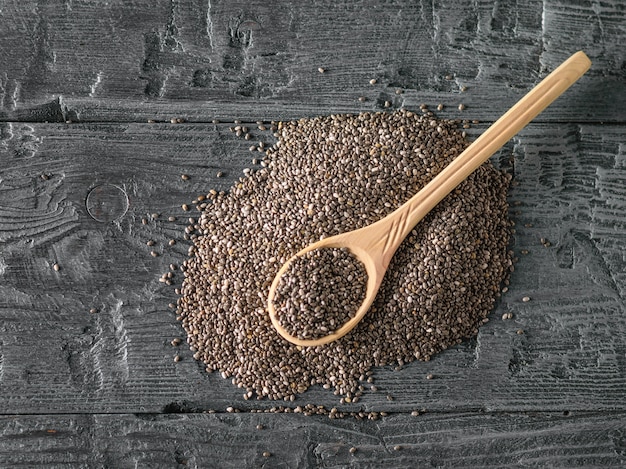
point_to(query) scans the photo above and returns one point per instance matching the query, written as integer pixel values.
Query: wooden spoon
(375, 244)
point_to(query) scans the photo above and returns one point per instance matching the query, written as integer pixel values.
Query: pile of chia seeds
(325, 176)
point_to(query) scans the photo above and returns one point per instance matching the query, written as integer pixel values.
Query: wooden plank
(56, 356)
(253, 60)
(233, 440)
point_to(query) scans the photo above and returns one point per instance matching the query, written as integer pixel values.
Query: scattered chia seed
(526, 299)
(373, 81)
(56, 267)
(184, 177)
(321, 70)
(325, 176)
(461, 107)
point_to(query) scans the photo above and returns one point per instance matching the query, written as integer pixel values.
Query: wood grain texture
(138, 60)
(78, 81)
(294, 441)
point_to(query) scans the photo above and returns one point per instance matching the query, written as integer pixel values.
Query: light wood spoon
(375, 244)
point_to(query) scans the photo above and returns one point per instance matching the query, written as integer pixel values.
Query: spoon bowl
(374, 245)
(359, 242)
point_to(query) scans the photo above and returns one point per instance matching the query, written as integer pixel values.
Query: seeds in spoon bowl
(320, 291)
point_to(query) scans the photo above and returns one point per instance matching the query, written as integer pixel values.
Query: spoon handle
(516, 118)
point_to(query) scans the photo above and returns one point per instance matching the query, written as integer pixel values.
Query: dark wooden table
(82, 163)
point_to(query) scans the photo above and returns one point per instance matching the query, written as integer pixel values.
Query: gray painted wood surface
(78, 83)
(233, 440)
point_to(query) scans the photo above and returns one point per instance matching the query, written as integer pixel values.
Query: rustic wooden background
(81, 166)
